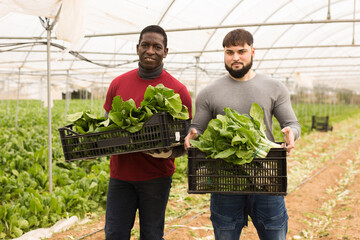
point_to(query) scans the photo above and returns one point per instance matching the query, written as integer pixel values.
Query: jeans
(123, 200)
(229, 214)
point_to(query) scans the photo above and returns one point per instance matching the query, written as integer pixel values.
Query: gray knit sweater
(270, 94)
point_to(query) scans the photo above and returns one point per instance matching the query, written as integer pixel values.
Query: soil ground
(322, 199)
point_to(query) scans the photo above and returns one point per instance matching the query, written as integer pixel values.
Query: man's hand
(192, 135)
(289, 139)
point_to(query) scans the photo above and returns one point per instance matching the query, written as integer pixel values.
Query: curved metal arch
(288, 29)
(214, 31)
(220, 23)
(308, 51)
(319, 42)
(272, 14)
(166, 11)
(160, 20)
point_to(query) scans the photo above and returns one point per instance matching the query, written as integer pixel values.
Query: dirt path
(322, 196)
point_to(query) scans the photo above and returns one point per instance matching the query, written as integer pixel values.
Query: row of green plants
(79, 187)
(305, 111)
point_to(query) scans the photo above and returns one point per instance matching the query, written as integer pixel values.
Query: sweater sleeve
(109, 97)
(284, 112)
(203, 113)
(186, 99)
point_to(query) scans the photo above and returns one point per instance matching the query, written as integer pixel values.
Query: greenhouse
(58, 58)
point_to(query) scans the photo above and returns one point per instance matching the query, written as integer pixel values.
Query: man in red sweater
(138, 180)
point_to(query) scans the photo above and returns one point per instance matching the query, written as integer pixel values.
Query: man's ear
(137, 49)
(166, 52)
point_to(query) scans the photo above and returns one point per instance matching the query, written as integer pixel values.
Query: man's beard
(241, 72)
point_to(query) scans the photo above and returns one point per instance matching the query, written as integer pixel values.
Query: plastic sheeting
(306, 43)
(45, 233)
(70, 26)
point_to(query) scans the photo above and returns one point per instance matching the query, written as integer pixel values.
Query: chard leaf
(221, 144)
(183, 114)
(149, 93)
(173, 103)
(226, 133)
(203, 146)
(135, 128)
(89, 117)
(160, 101)
(107, 128)
(238, 140)
(117, 118)
(74, 117)
(226, 153)
(117, 104)
(80, 130)
(167, 92)
(105, 123)
(129, 105)
(257, 114)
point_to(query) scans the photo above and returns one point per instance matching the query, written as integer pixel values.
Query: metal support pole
(196, 75)
(92, 98)
(67, 95)
(353, 38)
(41, 94)
(8, 99)
(17, 100)
(46, 24)
(49, 109)
(328, 13)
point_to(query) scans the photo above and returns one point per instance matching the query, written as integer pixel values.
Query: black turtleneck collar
(150, 74)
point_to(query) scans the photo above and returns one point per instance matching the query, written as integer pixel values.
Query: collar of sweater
(150, 74)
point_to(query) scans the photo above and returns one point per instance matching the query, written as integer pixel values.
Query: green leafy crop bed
(79, 188)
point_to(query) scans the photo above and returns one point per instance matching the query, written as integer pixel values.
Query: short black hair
(238, 37)
(156, 29)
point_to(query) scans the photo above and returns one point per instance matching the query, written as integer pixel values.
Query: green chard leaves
(236, 138)
(125, 114)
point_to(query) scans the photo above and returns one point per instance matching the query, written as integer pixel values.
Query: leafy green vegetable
(84, 121)
(163, 99)
(125, 114)
(236, 138)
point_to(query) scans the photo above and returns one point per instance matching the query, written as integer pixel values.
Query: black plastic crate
(261, 176)
(321, 123)
(159, 131)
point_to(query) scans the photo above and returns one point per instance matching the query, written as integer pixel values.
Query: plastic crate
(321, 123)
(261, 176)
(159, 131)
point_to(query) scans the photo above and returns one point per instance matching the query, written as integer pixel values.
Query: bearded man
(239, 89)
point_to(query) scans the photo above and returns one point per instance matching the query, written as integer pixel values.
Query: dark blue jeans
(229, 214)
(123, 200)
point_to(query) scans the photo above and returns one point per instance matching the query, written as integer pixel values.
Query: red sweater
(140, 166)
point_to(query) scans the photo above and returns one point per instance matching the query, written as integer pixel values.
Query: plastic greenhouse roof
(305, 43)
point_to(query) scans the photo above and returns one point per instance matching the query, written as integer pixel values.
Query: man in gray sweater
(239, 90)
